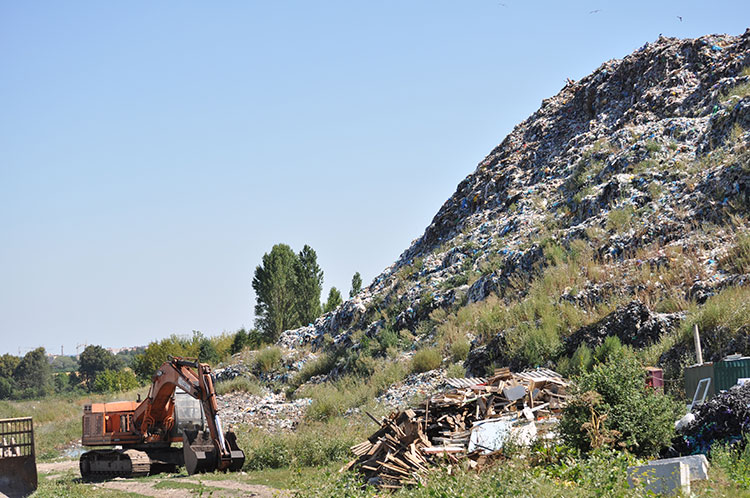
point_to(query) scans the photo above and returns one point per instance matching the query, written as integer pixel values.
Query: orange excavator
(180, 407)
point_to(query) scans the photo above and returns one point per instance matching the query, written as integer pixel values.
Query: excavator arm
(154, 416)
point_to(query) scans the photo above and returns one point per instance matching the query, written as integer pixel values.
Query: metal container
(17, 457)
(728, 370)
(694, 374)
(655, 378)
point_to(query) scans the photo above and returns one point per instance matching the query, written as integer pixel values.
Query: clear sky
(151, 152)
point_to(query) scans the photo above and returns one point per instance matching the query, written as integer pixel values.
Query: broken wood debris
(440, 427)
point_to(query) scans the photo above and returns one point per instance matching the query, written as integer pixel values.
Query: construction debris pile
(474, 420)
(723, 419)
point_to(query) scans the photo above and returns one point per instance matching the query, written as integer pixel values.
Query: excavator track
(105, 464)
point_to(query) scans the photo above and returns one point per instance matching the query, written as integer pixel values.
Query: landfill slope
(644, 162)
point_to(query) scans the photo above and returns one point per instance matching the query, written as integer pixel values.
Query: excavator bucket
(202, 456)
(238, 456)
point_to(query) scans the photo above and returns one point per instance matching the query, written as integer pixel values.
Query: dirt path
(63, 466)
(183, 486)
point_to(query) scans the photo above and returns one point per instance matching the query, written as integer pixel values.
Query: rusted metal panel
(18, 475)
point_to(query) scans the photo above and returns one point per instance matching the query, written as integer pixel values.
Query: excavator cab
(188, 414)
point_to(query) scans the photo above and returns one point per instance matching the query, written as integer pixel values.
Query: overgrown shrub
(613, 407)
(268, 359)
(460, 349)
(455, 370)
(426, 359)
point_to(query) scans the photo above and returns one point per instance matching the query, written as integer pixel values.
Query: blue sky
(151, 152)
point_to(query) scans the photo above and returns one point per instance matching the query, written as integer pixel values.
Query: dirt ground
(174, 487)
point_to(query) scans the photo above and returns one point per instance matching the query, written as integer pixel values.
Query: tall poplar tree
(309, 285)
(275, 284)
(356, 285)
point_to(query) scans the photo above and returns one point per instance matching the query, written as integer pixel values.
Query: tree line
(37, 374)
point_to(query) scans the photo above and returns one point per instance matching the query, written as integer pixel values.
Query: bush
(268, 359)
(611, 347)
(460, 349)
(613, 406)
(581, 362)
(456, 370)
(425, 360)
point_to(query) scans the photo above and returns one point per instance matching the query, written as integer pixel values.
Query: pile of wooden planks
(410, 441)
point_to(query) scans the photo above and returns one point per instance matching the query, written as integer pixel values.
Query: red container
(655, 378)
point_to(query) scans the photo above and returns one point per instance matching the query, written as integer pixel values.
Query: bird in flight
(680, 18)
(595, 11)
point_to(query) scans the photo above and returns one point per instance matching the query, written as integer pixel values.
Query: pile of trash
(724, 419)
(633, 323)
(474, 420)
(270, 411)
(650, 139)
(415, 386)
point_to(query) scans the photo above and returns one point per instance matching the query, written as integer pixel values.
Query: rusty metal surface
(18, 475)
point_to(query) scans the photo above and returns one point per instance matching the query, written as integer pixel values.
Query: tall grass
(728, 311)
(738, 257)
(312, 444)
(331, 399)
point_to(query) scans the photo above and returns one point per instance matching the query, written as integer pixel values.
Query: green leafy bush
(455, 371)
(613, 407)
(268, 359)
(460, 349)
(426, 359)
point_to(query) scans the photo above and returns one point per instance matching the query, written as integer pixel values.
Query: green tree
(110, 381)
(356, 285)
(6, 388)
(239, 341)
(334, 300)
(309, 285)
(33, 375)
(207, 352)
(8, 364)
(156, 353)
(275, 284)
(93, 360)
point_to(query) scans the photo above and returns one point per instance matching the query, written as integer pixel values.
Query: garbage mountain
(624, 199)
